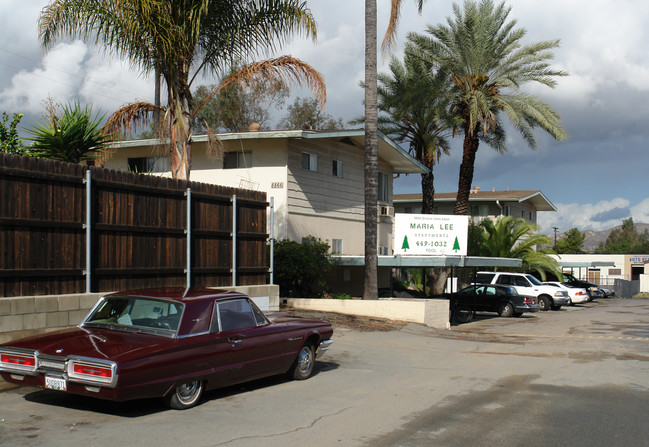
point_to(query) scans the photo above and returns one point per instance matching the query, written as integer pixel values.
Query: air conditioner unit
(384, 250)
(386, 211)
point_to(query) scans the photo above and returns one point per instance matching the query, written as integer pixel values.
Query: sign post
(431, 234)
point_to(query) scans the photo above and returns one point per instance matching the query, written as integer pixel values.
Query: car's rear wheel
(305, 361)
(462, 314)
(186, 395)
(544, 303)
(506, 310)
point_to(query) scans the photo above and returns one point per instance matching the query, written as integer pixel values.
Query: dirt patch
(357, 323)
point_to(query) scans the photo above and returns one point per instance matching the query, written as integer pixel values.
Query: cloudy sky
(595, 178)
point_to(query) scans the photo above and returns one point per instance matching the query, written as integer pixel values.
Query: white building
(315, 178)
(604, 269)
(483, 204)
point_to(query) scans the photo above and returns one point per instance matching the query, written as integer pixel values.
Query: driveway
(578, 376)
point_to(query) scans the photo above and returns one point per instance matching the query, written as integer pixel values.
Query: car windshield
(137, 314)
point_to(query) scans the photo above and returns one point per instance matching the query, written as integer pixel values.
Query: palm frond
(285, 70)
(128, 117)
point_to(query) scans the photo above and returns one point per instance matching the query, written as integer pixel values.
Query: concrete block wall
(30, 315)
(24, 316)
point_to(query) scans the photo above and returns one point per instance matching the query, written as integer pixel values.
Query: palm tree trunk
(156, 102)
(466, 174)
(370, 290)
(427, 183)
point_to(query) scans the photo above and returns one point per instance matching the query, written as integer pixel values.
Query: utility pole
(555, 236)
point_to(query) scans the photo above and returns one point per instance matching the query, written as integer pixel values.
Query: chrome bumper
(323, 347)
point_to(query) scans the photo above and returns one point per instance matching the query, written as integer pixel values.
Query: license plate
(56, 383)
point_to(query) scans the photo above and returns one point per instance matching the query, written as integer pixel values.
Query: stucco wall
(431, 312)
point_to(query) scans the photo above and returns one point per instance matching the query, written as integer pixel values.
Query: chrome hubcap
(304, 360)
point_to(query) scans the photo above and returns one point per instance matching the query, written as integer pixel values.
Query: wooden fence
(138, 231)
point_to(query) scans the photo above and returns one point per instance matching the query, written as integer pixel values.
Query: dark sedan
(503, 300)
(171, 343)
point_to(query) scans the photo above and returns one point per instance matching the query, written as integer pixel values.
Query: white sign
(430, 234)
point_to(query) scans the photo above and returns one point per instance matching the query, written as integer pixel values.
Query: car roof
(180, 293)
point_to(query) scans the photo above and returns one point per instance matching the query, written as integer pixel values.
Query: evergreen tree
(572, 242)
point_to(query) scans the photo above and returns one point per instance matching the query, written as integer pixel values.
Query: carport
(348, 274)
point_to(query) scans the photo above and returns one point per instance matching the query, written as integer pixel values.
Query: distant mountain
(593, 238)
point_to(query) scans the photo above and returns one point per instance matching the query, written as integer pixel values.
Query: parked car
(577, 295)
(549, 297)
(594, 291)
(168, 343)
(505, 301)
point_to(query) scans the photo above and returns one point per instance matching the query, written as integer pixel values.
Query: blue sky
(595, 178)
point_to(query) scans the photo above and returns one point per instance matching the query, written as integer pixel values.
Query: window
(237, 160)
(147, 165)
(310, 161)
(383, 187)
(336, 246)
(236, 314)
(337, 168)
(508, 210)
(531, 216)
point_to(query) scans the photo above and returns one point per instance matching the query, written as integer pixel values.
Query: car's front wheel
(186, 395)
(506, 310)
(303, 366)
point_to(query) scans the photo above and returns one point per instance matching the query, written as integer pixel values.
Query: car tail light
(93, 372)
(98, 371)
(579, 293)
(18, 361)
(529, 300)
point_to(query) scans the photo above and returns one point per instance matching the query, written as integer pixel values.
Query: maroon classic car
(171, 343)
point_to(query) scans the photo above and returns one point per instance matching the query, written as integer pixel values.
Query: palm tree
(410, 99)
(370, 287)
(516, 238)
(181, 39)
(486, 63)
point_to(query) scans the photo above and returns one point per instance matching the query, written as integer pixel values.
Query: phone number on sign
(431, 243)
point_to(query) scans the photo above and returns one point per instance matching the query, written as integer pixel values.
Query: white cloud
(586, 216)
(58, 76)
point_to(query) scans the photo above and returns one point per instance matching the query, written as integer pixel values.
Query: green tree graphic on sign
(405, 245)
(456, 245)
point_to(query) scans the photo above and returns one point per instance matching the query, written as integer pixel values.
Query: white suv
(549, 297)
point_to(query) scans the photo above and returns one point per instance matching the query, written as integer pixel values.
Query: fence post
(88, 227)
(188, 232)
(234, 240)
(272, 239)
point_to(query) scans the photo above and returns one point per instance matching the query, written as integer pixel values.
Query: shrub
(299, 268)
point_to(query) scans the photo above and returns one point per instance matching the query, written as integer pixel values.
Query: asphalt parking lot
(578, 376)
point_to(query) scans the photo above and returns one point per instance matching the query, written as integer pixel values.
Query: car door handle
(235, 341)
